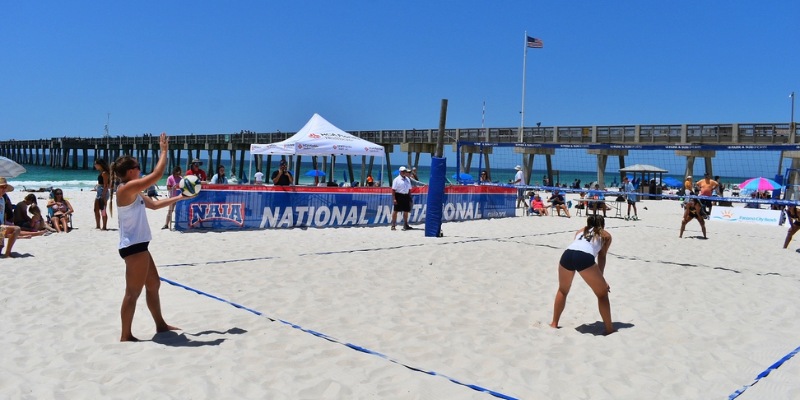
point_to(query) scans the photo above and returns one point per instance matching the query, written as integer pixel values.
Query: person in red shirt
(194, 169)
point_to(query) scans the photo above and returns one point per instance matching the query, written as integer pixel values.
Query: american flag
(535, 43)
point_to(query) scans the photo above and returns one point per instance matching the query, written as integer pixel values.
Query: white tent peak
(320, 137)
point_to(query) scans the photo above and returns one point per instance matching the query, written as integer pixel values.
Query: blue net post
(433, 214)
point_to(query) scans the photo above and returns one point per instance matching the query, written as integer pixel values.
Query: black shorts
(403, 202)
(133, 249)
(574, 260)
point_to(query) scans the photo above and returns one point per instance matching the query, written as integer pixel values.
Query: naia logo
(202, 212)
(314, 136)
(334, 147)
(299, 146)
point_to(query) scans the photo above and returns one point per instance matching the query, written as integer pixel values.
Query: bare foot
(130, 338)
(609, 332)
(554, 325)
(167, 328)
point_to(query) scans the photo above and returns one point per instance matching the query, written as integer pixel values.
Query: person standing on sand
(707, 187)
(401, 198)
(102, 188)
(628, 188)
(282, 176)
(173, 190)
(194, 169)
(519, 181)
(794, 224)
(134, 238)
(693, 209)
(688, 186)
(587, 256)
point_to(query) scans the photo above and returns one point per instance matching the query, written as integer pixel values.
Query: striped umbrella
(759, 184)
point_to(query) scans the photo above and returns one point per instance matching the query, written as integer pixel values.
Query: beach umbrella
(9, 168)
(462, 176)
(315, 172)
(672, 182)
(759, 184)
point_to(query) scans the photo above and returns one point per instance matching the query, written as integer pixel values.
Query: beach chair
(51, 212)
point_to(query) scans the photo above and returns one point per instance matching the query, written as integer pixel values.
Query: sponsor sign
(749, 215)
(233, 207)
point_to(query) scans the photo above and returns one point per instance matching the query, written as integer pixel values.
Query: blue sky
(219, 67)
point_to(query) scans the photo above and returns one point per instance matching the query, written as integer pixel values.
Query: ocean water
(76, 179)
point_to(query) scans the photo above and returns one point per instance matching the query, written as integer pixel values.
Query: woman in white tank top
(587, 256)
(134, 237)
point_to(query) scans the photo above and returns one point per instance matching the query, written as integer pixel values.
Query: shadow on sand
(597, 328)
(175, 339)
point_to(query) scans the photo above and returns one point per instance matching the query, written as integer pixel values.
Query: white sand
(697, 319)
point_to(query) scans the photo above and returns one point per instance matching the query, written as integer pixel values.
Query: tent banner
(236, 207)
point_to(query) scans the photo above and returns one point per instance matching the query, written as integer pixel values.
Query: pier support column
(691, 155)
(416, 149)
(465, 163)
(528, 155)
(388, 149)
(602, 160)
(793, 180)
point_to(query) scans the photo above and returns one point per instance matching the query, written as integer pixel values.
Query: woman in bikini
(586, 255)
(62, 209)
(794, 224)
(134, 238)
(693, 210)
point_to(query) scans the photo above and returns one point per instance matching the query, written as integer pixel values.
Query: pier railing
(63, 151)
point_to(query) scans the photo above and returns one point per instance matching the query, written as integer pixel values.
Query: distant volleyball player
(134, 237)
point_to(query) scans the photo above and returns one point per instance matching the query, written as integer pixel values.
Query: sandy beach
(696, 319)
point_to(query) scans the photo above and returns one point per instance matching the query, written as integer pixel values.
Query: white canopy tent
(318, 137)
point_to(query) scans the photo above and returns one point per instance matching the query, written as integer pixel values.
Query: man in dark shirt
(21, 217)
(282, 177)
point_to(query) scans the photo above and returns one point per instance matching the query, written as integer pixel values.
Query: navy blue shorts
(574, 260)
(133, 249)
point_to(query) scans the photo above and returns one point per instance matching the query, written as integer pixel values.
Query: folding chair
(579, 206)
(618, 206)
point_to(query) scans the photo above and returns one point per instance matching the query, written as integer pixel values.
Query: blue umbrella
(315, 172)
(463, 177)
(670, 181)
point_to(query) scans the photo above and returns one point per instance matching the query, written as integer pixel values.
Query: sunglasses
(136, 167)
(58, 193)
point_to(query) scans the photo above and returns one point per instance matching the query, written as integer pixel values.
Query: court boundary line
(346, 344)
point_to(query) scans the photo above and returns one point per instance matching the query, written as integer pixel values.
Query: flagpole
(483, 120)
(524, 62)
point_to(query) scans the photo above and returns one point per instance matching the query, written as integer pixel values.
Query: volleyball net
(657, 171)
